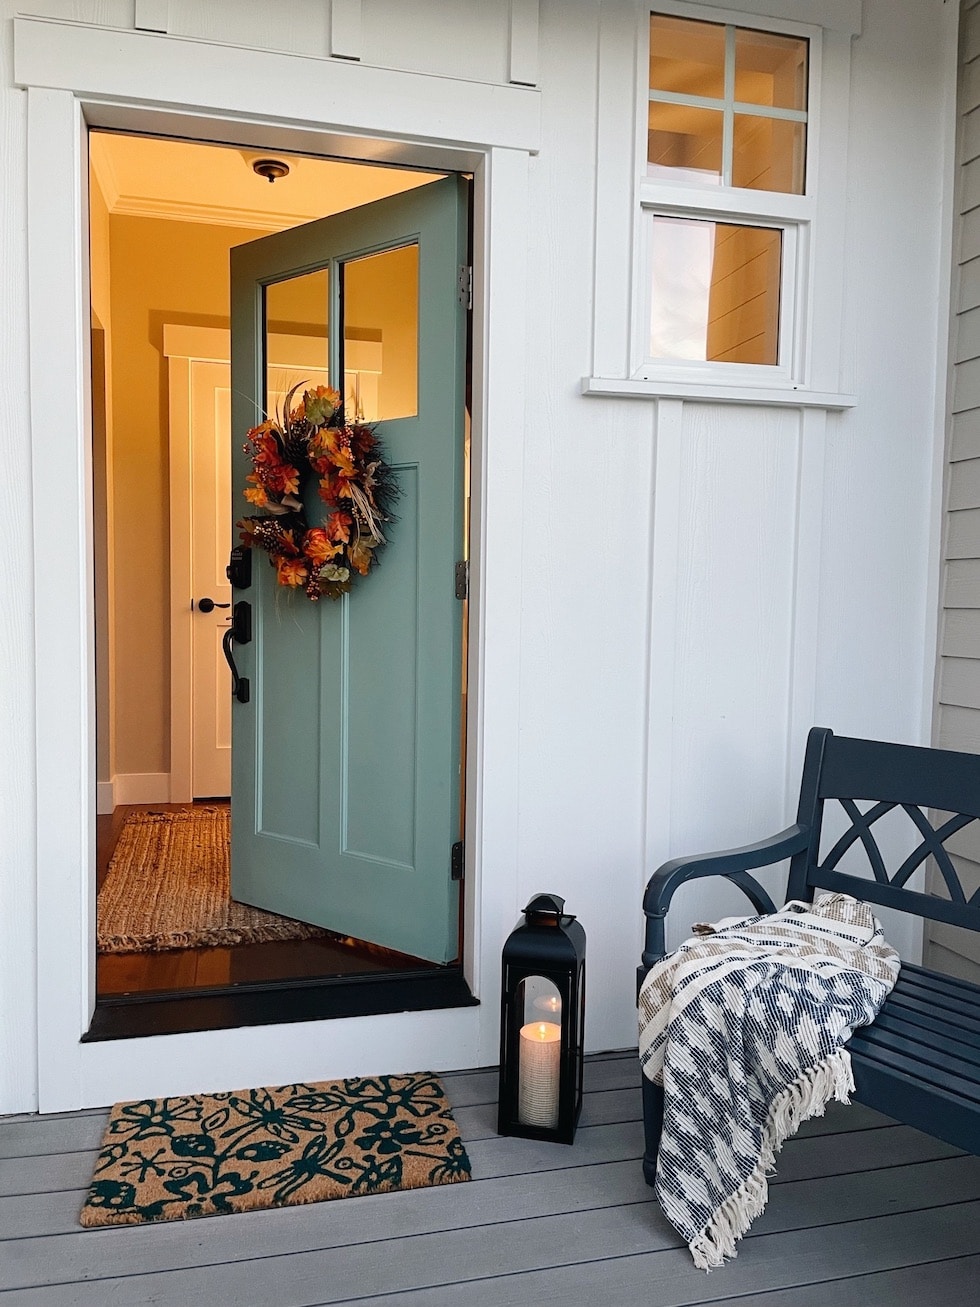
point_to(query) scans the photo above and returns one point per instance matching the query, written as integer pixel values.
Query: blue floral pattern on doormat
(169, 1158)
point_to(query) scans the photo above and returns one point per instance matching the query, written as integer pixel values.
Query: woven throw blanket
(745, 1026)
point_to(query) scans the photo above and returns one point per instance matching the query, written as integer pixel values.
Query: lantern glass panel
(539, 1064)
(542, 1002)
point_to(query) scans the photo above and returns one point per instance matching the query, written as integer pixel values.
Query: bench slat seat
(919, 1062)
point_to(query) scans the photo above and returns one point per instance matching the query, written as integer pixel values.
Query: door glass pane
(684, 142)
(770, 69)
(381, 334)
(715, 291)
(296, 336)
(769, 154)
(687, 57)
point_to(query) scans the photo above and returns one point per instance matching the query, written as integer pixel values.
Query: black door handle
(207, 605)
(239, 632)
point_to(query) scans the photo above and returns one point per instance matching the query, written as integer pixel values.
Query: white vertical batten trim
(665, 543)
(805, 604)
(524, 36)
(152, 16)
(346, 38)
(949, 273)
(58, 293)
(616, 107)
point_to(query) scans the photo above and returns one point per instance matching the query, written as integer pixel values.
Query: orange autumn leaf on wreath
(291, 571)
(360, 556)
(339, 526)
(266, 449)
(317, 546)
(283, 479)
(256, 495)
(323, 445)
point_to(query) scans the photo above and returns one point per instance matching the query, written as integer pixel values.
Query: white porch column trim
(64, 619)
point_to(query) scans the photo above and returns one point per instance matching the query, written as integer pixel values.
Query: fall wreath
(355, 483)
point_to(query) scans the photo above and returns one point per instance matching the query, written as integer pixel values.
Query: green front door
(346, 757)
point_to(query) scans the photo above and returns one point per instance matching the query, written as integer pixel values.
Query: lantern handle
(546, 909)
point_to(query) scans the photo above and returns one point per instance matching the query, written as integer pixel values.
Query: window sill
(710, 393)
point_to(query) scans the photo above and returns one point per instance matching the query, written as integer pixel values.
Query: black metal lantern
(542, 1024)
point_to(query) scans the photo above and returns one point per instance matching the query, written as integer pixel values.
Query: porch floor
(862, 1213)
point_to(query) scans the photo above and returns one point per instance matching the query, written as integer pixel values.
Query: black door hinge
(465, 285)
(456, 861)
(462, 580)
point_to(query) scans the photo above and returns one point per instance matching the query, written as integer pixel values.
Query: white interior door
(210, 529)
(200, 528)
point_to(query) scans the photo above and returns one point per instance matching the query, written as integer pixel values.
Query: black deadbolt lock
(239, 569)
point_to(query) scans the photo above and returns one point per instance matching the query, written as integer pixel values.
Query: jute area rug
(168, 887)
(169, 1158)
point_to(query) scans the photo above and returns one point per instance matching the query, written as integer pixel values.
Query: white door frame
(78, 76)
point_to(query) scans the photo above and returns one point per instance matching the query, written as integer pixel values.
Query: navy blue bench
(920, 1060)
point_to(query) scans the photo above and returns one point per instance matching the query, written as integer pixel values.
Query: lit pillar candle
(540, 1067)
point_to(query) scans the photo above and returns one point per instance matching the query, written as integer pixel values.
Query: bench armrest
(732, 864)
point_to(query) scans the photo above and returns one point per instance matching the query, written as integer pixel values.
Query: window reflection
(685, 143)
(715, 291)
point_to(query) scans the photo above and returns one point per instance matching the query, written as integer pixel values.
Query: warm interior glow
(731, 67)
(715, 292)
(163, 215)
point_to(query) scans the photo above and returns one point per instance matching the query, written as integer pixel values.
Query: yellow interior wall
(101, 473)
(162, 271)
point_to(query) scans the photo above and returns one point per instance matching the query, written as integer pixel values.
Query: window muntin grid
(728, 105)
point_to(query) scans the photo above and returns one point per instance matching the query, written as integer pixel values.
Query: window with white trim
(722, 276)
(723, 199)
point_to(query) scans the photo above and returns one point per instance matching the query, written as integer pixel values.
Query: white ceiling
(158, 178)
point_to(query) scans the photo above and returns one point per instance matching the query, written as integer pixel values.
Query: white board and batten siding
(666, 593)
(957, 724)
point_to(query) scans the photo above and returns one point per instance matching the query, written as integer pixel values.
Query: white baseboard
(105, 797)
(141, 787)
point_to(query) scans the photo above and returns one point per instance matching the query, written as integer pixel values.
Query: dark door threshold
(129, 1016)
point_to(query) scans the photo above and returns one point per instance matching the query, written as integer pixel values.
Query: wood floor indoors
(212, 967)
(862, 1213)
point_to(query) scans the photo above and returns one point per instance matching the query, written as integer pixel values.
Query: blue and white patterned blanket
(744, 1026)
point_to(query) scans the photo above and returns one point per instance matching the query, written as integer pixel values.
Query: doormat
(168, 887)
(166, 1159)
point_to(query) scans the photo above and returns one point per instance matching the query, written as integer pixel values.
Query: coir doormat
(169, 1158)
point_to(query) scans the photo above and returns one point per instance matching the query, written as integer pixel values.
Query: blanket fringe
(808, 1096)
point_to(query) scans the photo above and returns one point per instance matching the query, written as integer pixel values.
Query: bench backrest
(859, 773)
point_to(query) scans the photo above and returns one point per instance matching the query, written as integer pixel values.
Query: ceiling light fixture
(271, 169)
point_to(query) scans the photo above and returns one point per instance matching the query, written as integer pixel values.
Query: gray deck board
(862, 1213)
(607, 1248)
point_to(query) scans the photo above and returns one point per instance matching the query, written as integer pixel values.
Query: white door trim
(91, 72)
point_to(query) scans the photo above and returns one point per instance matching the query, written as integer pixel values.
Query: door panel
(346, 759)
